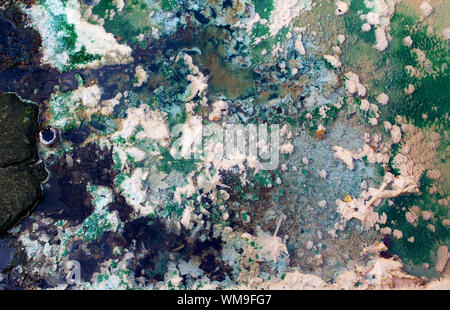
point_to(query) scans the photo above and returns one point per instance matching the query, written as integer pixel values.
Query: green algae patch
(264, 8)
(122, 26)
(100, 220)
(261, 53)
(169, 5)
(431, 94)
(353, 22)
(426, 241)
(101, 8)
(264, 178)
(133, 20)
(168, 163)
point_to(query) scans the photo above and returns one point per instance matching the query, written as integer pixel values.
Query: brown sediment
(224, 78)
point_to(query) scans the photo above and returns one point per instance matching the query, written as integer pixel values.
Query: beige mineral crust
(341, 7)
(284, 12)
(298, 45)
(292, 281)
(397, 234)
(379, 17)
(220, 108)
(152, 122)
(383, 99)
(446, 33)
(442, 258)
(347, 156)
(418, 153)
(396, 134)
(198, 82)
(374, 248)
(379, 273)
(407, 41)
(366, 27)
(382, 42)
(353, 86)
(141, 76)
(333, 60)
(272, 246)
(426, 9)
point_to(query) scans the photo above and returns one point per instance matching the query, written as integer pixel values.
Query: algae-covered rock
(20, 172)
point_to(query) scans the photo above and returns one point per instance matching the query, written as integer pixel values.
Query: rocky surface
(332, 74)
(21, 173)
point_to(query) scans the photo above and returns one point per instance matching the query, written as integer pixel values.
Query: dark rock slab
(18, 127)
(21, 172)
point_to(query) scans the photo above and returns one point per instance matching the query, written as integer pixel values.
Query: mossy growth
(426, 241)
(82, 57)
(262, 52)
(174, 209)
(130, 22)
(353, 23)
(169, 5)
(264, 8)
(264, 178)
(260, 30)
(103, 6)
(431, 94)
(95, 226)
(168, 163)
(104, 124)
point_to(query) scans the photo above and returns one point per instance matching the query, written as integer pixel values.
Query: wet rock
(21, 173)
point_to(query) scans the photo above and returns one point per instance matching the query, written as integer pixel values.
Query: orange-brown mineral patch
(320, 134)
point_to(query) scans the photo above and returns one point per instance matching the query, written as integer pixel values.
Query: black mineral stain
(67, 196)
(77, 135)
(6, 254)
(387, 241)
(18, 44)
(154, 243)
(90, 256)
(122, 207)
(20, 60)
(152, 240)
(201, 18)
(148, 234)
